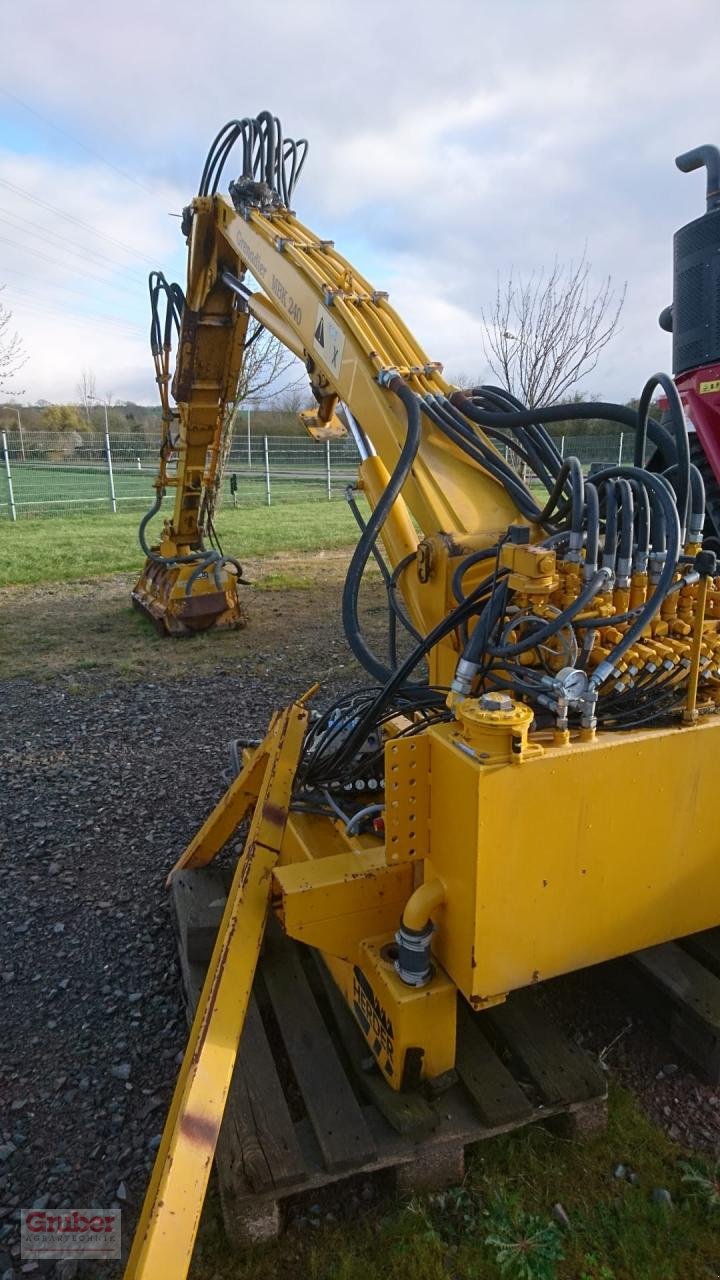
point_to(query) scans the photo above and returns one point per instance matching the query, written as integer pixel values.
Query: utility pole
(248, 438)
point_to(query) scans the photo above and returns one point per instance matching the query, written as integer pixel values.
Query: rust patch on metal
(201, 1133)
(273, 813)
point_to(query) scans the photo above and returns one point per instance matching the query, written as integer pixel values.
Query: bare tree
(265, 364)
(12, 355)
(293, 398)
(545, 332)
(86, 391)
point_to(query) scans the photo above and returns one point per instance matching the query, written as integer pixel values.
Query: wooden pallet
(308, 1106)
(676, 986)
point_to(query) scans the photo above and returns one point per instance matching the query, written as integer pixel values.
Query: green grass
(54, 489)
(68, 548)
(616, 1231)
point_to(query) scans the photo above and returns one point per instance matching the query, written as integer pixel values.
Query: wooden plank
(496, 1094)
(684, 979)
(258, 1148)
(341, 1132)
(193, 895)
(692, 994)
(407, 1112)
(704, 947)
(562, 1071)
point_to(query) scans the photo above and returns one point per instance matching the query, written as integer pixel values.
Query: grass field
(50, 489)
(68, 548)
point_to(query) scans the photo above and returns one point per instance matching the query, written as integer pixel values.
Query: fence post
(562, 446)
(328, 476)
(622, 437)
(267, 470)
(11, 495)
(111, 478)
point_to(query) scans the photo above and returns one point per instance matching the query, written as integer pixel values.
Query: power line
(69, 217)
(73, 317)
(38, 253)
(25, 225)
(64, 134)
(63, 288)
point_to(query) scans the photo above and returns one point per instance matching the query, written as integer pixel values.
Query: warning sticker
(706, 387)
(328, 339)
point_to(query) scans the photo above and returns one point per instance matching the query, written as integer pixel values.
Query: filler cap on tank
(495, 726)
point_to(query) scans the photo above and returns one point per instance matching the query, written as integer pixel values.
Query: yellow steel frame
(531, 854)
(170, 1215)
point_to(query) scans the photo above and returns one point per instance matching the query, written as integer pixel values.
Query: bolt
(496, 702)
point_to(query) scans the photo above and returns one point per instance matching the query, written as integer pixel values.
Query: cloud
(446, 145)
(76, 246)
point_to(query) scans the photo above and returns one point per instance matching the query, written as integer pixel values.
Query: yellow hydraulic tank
(558, 857)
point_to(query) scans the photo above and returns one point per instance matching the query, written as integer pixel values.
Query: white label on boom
(328, 339)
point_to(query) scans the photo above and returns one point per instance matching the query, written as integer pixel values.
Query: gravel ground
(101, 791)
(103, 783)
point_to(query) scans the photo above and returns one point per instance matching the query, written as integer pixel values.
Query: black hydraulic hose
(376, 554)
(477, 644)
(556, 624)
(461, 434)
(613, 621)
(611, 529)
(351, 589)
(592, 541)
(491, 459)
(528, 447)
(674, 548)
(541, 434)
(146, 520)
(566, 413)
(520, 451)
(682, 443)
(627, 520)
(154, 555)
(577, 506)
(555, 493)
(642, 514)
(397, 680)
(697, 497)
(466, 563)
(395, 608)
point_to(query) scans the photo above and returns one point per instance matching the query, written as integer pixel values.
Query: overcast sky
(448, 142)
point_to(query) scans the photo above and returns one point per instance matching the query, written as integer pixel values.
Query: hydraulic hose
(475, 557)
(369, 536)
(680, 435)
(653, 604)
(627, 522)
(479, 638)
(556, 624)
(566, 413)
(452, 424)
(611, 527)
(696, 519)
(396, 682)
(541, 435)
(592, 500)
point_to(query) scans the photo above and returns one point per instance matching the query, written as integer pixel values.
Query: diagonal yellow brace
(170, 1217)
(227, 815)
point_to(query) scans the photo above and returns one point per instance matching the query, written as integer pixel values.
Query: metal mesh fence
(49, 473)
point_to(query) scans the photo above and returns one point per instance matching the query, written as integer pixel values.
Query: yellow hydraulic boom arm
(187, 586)
(544, 796)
